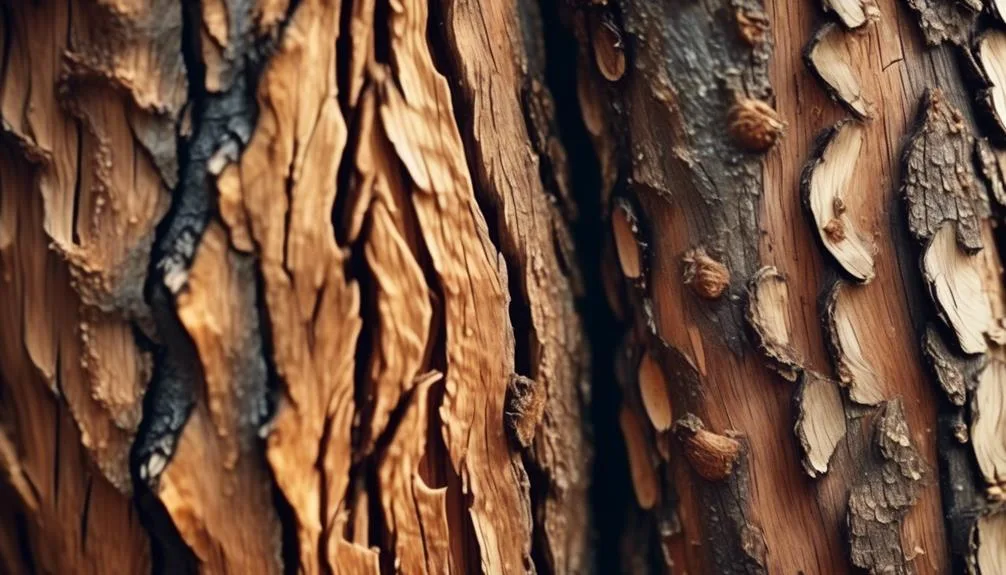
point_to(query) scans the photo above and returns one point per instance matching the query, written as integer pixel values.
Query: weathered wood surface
(292, 287)
(275, 275)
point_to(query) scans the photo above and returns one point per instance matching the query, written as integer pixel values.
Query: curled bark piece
(768, 316)
(955, 375)
(654, 393)
(827, 56)
(854, 371)
(629, 244)
(989, 550)
(990, 55)
(852, 13)
(939, 182)
(825, 181)
(820, 421)
(988, 426)
(887, 487)
(711, 455)
(955, 285)
(644, 476)
(708, 277)
(946, 20)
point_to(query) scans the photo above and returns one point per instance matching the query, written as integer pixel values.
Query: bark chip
(826, 179)
(609, 47)
(654, 393)
(827, 56)
(711, 455)
(628, 244)
(768, 316)
(939, 182)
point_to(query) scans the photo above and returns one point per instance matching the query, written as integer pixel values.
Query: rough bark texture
(308, 285)
(274, 277)
(689, 137)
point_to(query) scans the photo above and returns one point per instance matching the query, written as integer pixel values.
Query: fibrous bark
(341, 286)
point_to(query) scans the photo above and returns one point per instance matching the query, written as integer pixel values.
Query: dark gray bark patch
(946, 20)
(956, 375)
(939, 182)
(887, 488)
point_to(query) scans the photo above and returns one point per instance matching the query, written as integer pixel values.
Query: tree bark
(310, 286)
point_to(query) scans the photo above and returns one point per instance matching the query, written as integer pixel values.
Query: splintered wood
(347, 307)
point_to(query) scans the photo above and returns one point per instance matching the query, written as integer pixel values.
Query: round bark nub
(754, 125)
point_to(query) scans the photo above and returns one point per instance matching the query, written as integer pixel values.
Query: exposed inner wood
(628, 246)
(217, 487)
(654, 393)
(988, 424)
(826, 184)
(507, 146)
(820, 422)
(828, 55)
(853, 13)
(644, 477)
(955, 283)
(768, 315)
(609, 48)
(893, 67)
(847, 341)
(990, 556)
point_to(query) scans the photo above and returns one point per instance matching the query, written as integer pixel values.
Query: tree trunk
(308, 285)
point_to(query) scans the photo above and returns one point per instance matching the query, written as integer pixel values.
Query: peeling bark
(296, 286)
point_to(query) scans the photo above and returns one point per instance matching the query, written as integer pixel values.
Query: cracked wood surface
(331, 364)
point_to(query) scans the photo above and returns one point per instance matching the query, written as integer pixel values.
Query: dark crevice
(218, 120)
(8, 41)
(342, 62)
(85, 513)
(289, 543)
(57, 451)
(21, 527)
(76, 183)
(458, 503)
(610, 491)
(382, 34)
